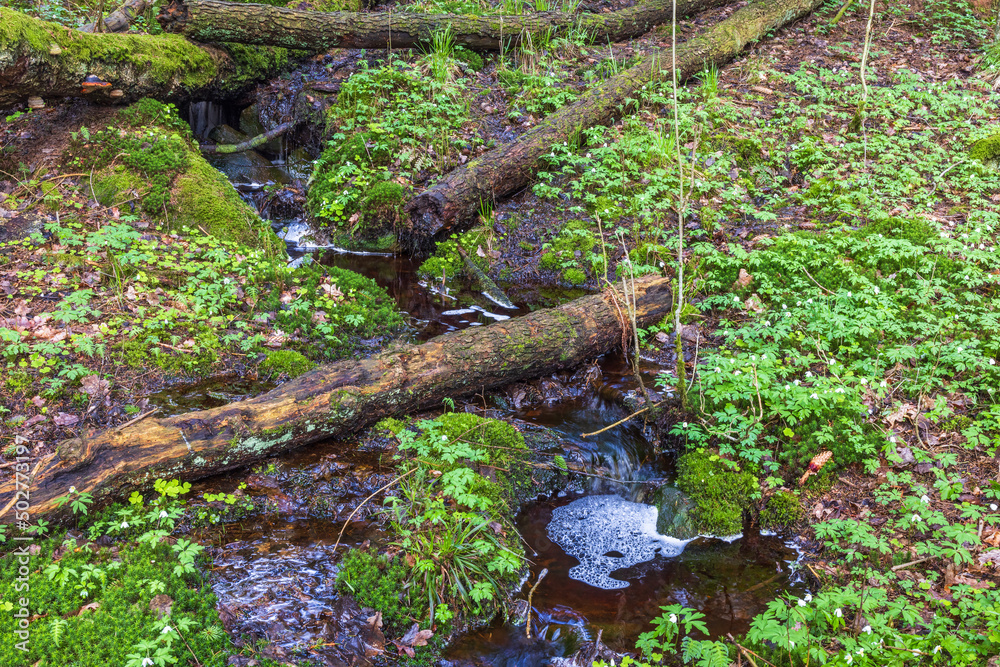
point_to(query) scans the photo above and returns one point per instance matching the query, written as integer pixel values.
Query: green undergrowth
(393, 125)
(129, 591)
(181, 303)
(457, 553)
(446, 263)
(149, 159)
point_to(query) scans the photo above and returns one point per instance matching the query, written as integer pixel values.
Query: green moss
(446, 260)
(506, 479)
(391, 425)
(471, 58)
(720, 489)
(986, 149)
(203, 197)
(149, 155)
(574, 276)
(379, 582)
(746, 152)
(572, 250)
(782, 510)
(288, 362)
(198, 361)
(17, 381)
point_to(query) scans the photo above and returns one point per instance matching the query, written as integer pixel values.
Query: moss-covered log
(507, 169)
(50, 60)
(216, 21)
(335, 400)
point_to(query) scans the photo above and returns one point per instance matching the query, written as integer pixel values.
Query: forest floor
(841, 278)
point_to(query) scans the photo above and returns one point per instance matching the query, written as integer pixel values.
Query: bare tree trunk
(507, 169)
(213, 20)
(335, 400)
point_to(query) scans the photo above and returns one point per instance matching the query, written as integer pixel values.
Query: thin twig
(912, 562)
(137, 419)
(620, 421)
(374, 493)
(541, 575)
(817, 284)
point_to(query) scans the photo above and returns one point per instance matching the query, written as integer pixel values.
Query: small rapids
(609, 570)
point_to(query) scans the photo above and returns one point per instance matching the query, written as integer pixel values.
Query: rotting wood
(121, 19)
(251, 143)
(454, 200)
(48, 60)
(335, 400)
(217, 21)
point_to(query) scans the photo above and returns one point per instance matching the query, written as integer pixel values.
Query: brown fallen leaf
(65, 419)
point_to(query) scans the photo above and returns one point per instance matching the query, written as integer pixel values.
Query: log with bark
(48, 60)
(215, 21)
(121, 19)
(456, 198)
(334, 400)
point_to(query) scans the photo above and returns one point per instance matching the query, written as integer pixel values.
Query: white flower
(146, 662)
(937, 649)
(848, 658)
(718, 370)
(736, 299)
(960, 349)
(808, 597)
(72, 489)
(877, 289)
(685, 424)
(916, 518)
(798, 303)
(124, 524)
(814, 396)
(753, 357)
(673, 618)
(788, 387)
(809, 300)
(838, 613)
(802, 603)
(795, 382)
(163, 514)
(809, 374)
(993, 362)
(791, 644)
(784, 307)
(925, 499)
(736, 373)
(993, 506)
(884, 384)
(864, 380)
(867, 629)
(165, 630)
(861, 651)
(444, 438)
(767, 323)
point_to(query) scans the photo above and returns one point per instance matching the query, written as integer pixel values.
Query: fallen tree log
(39, 58)
(121, 19)
(251, 143)
(507, 169)
(333, 400)
(214, 20)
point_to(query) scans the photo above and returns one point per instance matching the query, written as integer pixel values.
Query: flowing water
(274, 574)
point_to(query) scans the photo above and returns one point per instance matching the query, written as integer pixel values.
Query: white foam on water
(495, 316)
(596, 529)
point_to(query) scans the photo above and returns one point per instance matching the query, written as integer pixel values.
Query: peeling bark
(334, 400)
(507, 169)
(216, 21)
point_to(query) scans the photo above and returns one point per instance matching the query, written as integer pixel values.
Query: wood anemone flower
(815, 464)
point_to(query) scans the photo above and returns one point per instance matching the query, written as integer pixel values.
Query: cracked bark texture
(455, 200)
(216, 21)
(335, 400)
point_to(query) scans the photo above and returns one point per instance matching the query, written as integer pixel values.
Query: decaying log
(48, 60)
(335, 400)
(217, 21)
(121, 19)
(507, 169)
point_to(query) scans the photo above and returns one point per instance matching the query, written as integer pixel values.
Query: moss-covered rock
(287, 362)
(720, 489)
(781, 511)
(674, 513)
(150, 157)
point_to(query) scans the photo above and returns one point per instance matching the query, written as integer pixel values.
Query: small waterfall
(204, 116)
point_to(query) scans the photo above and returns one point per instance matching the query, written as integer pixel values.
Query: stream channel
(274, 573)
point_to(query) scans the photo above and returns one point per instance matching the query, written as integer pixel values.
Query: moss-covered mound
(287, 362)
(720, 489)
(150, 161)
(448, 264)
